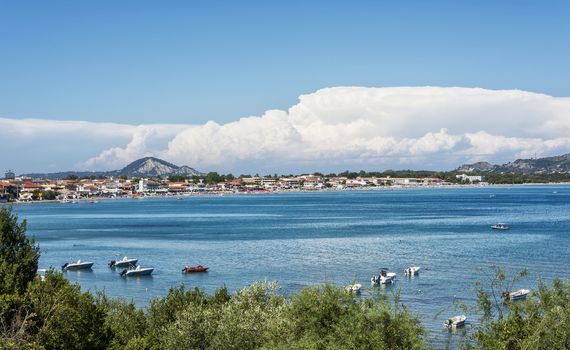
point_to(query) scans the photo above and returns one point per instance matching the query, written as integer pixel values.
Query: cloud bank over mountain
(330, 129)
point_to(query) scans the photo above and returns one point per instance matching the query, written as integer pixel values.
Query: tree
(64, 317)
(18, 254)
(542, 321)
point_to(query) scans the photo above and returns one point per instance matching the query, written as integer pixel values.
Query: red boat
(190, 269)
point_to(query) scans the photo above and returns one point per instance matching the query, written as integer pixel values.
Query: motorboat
(137, 271)
(124, 262)
(500, 226)
(517, 294)
(78, 265)
(384, 277)
(455, 321)
(191, 269)
(412, 270)
(353, 288)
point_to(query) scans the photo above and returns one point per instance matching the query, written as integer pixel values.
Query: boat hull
(195, 269)
(353, 288)
(82, 266)
(411, 271)
(519, 295)
(125, 263)
(141, 272)
(455, 322)
(388, 278)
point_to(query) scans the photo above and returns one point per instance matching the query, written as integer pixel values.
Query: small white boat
(517, 294)
(78, 265)
(353, 288)
(412, 270)
(137, 271)
(455, 321)
(384, 277)
(500, 226)
(124, 262)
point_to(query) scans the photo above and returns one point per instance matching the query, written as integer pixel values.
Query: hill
(546, 165)
(144, 167)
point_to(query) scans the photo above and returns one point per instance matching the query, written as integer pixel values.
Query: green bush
(18, 254)
(542, 321)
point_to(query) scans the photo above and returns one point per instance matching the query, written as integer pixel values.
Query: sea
(309, 238)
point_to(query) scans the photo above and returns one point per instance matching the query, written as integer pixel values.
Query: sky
(282, 86)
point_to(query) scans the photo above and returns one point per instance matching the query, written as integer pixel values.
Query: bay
(303, 239)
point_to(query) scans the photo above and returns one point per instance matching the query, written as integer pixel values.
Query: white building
(470, 178)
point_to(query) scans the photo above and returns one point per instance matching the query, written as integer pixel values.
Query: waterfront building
(470, 178)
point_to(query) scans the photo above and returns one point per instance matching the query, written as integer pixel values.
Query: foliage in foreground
(540, 322)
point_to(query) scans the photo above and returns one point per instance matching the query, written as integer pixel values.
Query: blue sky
(189, 62)
(140, 61)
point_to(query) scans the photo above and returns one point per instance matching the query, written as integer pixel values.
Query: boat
(353, 288)
(124, 262)
(190, 269)
(412, 270)
(455, 321)
(137, 271)
(78, 265)
(500, 226)
(384, 277)
(517, 294)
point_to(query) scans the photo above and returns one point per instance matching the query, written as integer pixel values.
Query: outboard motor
(124, 272)
(112, 263)
(64, 266)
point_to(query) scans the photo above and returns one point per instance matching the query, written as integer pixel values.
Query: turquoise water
(300, 239)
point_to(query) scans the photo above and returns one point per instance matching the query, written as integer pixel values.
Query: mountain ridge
(545, 165)
(143, 167)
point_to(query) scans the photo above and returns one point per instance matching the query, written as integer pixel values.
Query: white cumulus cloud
(335, 129)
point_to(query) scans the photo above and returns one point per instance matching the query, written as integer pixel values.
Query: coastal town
(25, 189)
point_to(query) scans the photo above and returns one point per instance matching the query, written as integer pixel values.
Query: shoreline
(261, 192)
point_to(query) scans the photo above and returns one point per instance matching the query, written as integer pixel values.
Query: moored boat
(353, 288)
(78, 265)
(412, 270)
(384, 277)
(500, 226)
(455, 321)
(137, 271)
(191, 269)
(517, 294)
(124, 262)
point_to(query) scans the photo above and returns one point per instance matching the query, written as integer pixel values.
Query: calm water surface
(301, 239)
